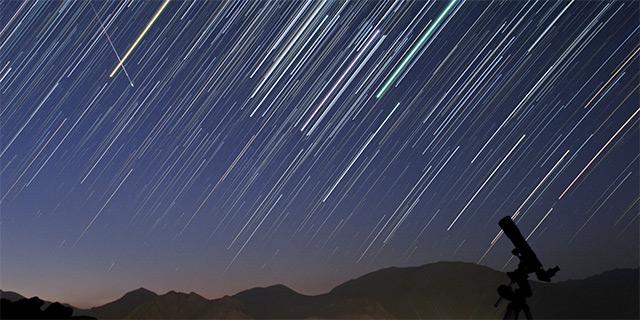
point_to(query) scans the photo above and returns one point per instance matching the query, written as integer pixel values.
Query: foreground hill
(438, 290)
(10, 295)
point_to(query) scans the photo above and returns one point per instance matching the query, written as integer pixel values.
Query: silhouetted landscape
(438, 290)
(15, 306)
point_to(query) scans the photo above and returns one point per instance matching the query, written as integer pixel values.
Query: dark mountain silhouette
(438, 290)
(123, 306)
(173, 305)
(14, 296)
(34, 308)
(277, 301)
(10, 295)
(612, 294)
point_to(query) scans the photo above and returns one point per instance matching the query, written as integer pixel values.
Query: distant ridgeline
(440, 290)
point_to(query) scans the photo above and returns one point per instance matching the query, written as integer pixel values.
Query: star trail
(213, 146)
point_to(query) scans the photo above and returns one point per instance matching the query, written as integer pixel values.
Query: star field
(213, 146)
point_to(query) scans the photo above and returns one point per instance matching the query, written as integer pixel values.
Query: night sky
(217, 146)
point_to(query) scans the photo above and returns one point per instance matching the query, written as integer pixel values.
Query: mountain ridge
(438, 290)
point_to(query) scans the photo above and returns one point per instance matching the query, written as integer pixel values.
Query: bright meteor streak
(414, 50)
(135, 43)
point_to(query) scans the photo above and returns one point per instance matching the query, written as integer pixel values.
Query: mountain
(15, 306)
(172, 305)
(10, 295)
(438, 290)
(122, 307)
(14, 296)
(612, 294)
(276, 301)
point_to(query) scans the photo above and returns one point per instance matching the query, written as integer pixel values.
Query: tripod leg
(511, 312)
(527, 312)
(507, 313)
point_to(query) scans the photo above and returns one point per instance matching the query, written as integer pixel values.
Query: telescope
(529, 263)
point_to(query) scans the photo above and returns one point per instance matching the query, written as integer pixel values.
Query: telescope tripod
(513, 311)
(517, 298)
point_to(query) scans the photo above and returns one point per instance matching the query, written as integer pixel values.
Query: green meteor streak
(416, 47)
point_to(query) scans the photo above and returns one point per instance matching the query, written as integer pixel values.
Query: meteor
(414, 50)
(135, 43)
